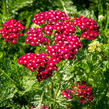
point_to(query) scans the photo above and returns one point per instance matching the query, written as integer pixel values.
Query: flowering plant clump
(63, 43)
(82, 90)
(11, 30)
(52, 53)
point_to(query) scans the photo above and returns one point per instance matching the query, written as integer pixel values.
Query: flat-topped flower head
(47, 70)
(64, 27)
(88, 26)
(11, 30)
(35, 37)
(49, 16)
(41, 62)
(80, 89)
(65, 47)
(33, 61)
(94, 47)
(90, 34)
(85, 23)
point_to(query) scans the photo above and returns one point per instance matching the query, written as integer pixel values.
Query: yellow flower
(94, 46)
(98, 49)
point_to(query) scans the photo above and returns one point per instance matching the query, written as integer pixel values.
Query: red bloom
(11, 30)
(81, 90)
(90, 34)
(65, 43)
(50, 16)
(35, 37)
(66, 48)
(85, 23)
(89, 27)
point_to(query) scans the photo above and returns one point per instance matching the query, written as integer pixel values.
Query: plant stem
(63, 5)
(4, 8)
(52, 95)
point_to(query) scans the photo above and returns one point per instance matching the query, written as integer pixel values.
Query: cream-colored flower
(94, 46)
(98, 49)
(100, 18)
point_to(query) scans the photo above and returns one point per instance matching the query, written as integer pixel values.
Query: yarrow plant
(80, 89)
(60, 38)
(11, 30)
(56, 32)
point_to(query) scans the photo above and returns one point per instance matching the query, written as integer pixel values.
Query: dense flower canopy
(64, 43)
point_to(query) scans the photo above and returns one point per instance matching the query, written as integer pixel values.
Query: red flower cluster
(64, 27)
(11, 30)
(50, 16)
(46, 71)
(82, 90)
(85, 23)
(48, 29)
(33, 61)
(90, 34)
(35, 37)
(65, 47)
(88, 26)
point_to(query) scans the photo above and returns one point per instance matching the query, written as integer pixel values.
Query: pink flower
(44, 107)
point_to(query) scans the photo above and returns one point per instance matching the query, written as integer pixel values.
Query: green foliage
(19, 88)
